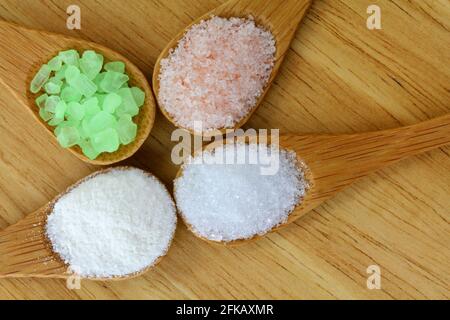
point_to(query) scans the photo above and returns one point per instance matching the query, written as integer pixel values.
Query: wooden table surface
(338, 77)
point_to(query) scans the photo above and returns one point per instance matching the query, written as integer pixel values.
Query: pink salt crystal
(216, 73)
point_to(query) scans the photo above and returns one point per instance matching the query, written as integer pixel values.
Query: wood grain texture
(26, 250)
(337, 77)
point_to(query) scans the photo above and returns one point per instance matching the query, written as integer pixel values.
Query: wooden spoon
(281, 17)
(333, 162)
(23, 51)
(25, 250)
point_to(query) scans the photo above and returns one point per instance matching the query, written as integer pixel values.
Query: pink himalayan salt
(216, 73)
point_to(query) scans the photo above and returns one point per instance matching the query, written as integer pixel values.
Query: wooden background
(338, 77)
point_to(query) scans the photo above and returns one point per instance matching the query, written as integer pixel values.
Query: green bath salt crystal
(139, 96)
(88, 149)
(58, 117)
(61, 73)
(129, 105)
(40, 101)
(52, 87)
(45, 115)
(111, 102)
(75, 111)
(101, 121)
(66, 123)
(69, 94)
(89, 102)
(70, 57)
(116, 66)
(68, 137)
(98, 79)
(71, 74)
(55, 80)
(84, 128)
(126, 129)
(40, 78)
(113, 81)
(55, 63)
(91, 64)
(55, 121)
(101, 99)
(91, 106)
(83, 85)
(106, 141)
(60, 110)
(51, 102)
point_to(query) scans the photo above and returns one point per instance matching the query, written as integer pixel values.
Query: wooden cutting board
(338, 77)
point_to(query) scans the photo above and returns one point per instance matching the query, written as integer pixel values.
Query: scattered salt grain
(216, 73)
(226, 202)
(113, 224)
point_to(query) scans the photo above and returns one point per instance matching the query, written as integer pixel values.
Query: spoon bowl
(26, 251)
(332, 162)
(280, 17)
(23, 51)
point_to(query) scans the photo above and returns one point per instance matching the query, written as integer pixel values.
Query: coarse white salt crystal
(113, 224)
(216, 73)
(226, 202)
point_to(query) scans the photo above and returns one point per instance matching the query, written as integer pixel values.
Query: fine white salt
(113, 224)
(225, 202)
(216, 73)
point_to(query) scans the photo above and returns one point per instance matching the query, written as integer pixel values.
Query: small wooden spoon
(333, 162)
(281, 17)
(23, 51)
(25, 250)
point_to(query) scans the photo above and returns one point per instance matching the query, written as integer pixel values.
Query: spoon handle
(338, 160)
(281, 16)
(418, 138)
(25, 251)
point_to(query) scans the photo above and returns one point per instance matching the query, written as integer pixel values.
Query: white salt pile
(113, 224)
(225, 202)
(216, 73)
